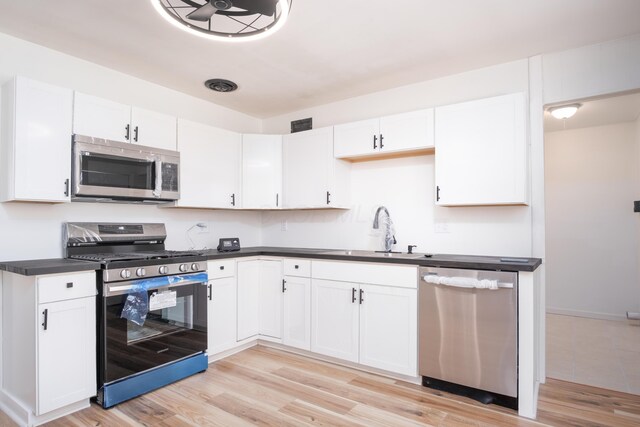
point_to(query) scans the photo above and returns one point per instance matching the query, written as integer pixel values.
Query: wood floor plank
(268, 387)
(325, 400)
(317, 416)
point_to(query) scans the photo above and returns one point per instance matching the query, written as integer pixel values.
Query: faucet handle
(410, 248)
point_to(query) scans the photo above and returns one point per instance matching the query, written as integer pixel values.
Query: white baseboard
(588, 314)
(24, 417)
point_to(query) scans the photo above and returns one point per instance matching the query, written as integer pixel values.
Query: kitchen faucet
(389, 237)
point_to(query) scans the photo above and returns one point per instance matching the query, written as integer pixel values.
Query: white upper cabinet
(153, 129)
(481, 152)
(103, 118)
(210, 166)
(261, 171)
(312, 178)
(399, 133)
(36, 141)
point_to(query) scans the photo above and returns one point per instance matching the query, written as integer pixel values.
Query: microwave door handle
(157, 192)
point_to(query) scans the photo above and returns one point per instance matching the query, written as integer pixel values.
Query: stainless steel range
(151, 307)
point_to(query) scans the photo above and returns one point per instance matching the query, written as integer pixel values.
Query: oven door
(112, 169)
(176, 328)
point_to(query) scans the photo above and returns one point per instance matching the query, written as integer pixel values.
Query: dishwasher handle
(466, 282)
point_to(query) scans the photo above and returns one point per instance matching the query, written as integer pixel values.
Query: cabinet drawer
(403, 276)
(297, 267)
(222, 268)
(62, 287)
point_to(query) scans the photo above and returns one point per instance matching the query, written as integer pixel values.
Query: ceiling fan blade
(264, 7)
(203, 13)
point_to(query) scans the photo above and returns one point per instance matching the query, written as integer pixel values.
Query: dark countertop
(60, 265)
(36, 267)
(437, 260)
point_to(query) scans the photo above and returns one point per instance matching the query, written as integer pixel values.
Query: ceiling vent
(221, 85)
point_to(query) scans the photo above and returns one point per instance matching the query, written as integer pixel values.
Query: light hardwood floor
(267, 387)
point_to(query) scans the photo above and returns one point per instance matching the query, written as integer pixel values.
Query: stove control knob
(163, 269)
(125, 274)
(183, 267)
(141, 272)
(195, 266)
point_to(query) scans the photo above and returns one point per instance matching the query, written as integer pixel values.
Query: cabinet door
(407, 131)
(209, 166)
(248, 299)
(261, 171)
(271, 295)
(307, 168)
(101, 118)
(42, 142)
(388, 328)
(297, 312)
(356, 139)
(481, 152)
(66, 353)
(334, 325)
(221, 314)
(225, 168)
(153, 129)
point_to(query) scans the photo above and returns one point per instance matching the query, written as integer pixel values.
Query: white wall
(29, 230)
(406, 186)
(592, 246)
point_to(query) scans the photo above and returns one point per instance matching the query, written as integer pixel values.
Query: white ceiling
(600, 112)
(328, 50)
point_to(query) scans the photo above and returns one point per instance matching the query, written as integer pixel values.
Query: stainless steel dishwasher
(468, 328)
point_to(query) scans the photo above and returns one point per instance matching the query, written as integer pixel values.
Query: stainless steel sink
(374, 254)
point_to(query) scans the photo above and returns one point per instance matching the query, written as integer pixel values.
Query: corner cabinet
(261, 171)
(36, 141)
(481, 152)
(210, 164)
(400, 133)
(312, 177)
(49, 344)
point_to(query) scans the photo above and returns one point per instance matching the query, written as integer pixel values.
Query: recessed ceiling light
(221, 85)
(564, 111)
(225, 20)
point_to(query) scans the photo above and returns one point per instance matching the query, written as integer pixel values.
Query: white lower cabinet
(259, 298)
(271, 290)
(388, 328)
(66, 357)
(49, 344)
(297, 312)
(222, 312)
(371, 324)
(334, 325)
(248, 299)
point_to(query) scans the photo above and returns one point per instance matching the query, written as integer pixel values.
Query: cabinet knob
(69, 284)
(222, 267)
(297, 266)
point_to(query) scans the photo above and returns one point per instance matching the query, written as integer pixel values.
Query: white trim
(23, 417)
(589, 314)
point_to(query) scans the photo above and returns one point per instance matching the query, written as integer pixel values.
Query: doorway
(592, 178)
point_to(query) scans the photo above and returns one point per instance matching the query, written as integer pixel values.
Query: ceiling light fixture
(562, 112)
(225, 20)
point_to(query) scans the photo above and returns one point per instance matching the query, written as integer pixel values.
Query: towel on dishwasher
(462, 282)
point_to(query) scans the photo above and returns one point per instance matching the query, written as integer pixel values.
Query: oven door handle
(157, 283)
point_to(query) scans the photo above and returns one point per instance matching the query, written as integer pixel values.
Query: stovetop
(106, 258)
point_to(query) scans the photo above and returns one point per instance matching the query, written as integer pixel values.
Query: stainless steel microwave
(106, 170)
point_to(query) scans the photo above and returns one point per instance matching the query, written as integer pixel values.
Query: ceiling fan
(229, 20)
(223, 7)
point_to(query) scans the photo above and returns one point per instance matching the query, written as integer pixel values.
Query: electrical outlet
(284, 226)
(442, 227)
